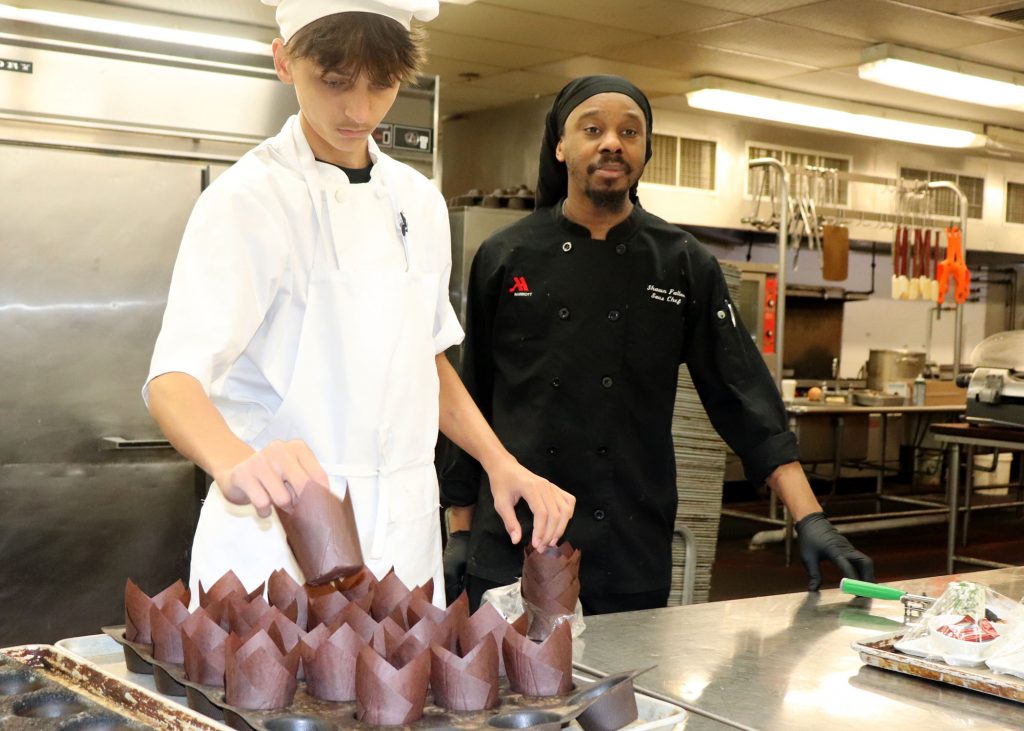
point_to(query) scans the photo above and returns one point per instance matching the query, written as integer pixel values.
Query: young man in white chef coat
(308, 316)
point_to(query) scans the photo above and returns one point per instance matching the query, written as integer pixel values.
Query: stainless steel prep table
(785, 662)
(921, 511)
(971, 436)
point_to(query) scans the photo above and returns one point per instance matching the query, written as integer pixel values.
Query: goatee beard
(612, 201)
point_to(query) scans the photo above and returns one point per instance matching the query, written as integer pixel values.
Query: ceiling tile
(780, 41)
(656, 17)
(752, 7)
(882, 21)
(522, 82)
(957, 7)
(689, 59)
(509, 55)
(650, 80)
(467, 97)
(530, 29)
(449, 69)
(1007, 53)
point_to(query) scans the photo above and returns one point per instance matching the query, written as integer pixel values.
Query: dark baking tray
(43, 687)
(311, 714)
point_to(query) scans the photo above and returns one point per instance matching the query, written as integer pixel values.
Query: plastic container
(984, 475)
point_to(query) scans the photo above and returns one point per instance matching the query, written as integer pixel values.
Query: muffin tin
(43, 689)
(310, 714)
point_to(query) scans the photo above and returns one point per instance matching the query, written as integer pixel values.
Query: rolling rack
(793, 197)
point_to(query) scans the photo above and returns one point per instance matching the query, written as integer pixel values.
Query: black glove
(819, 540)
(456, 554)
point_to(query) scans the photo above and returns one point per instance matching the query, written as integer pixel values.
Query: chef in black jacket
(578, 318)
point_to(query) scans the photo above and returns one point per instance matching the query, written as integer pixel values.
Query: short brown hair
(354, 42)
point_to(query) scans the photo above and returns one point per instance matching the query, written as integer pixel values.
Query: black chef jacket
(572, 353)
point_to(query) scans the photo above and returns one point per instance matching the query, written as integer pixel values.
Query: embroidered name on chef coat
(663, 294)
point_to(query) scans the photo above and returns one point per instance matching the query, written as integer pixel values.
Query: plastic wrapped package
(1008, 658)
(965, 626)
(508, 600)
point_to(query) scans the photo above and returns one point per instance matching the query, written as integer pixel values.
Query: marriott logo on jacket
(520, 288)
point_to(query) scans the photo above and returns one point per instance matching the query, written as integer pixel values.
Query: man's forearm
(193, 425)
(790, 484)
(462, 422)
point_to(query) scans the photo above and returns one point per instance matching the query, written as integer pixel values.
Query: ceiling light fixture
(951, 78)
(807, 110)
(134, 30)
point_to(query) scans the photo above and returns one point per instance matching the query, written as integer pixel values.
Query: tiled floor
(898, 553)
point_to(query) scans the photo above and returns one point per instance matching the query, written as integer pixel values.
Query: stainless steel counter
(785, 662)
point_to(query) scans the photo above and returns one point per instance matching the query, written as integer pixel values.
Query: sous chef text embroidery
(662, 294)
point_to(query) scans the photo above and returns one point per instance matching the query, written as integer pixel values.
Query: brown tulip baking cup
(288, 595)
(165, 624)
(137, 605)
(388, 696)
(415, 641)
(242, 616)
(552, 556)
(325, 608)
(321, 531)
(203, 643)
(487, 621)
(543, 669)
(284, 632)
(386, 637)
(358, 619)
(467, 683)
(565, 581)
(390, 594)
(227, 584)
(449, 621)
(257, 675)
(329, 657)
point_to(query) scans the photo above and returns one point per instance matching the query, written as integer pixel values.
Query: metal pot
(888, 366)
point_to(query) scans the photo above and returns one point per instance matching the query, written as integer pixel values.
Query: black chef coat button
(567, 247)
(614, 315)
(563, 313)
(598, 514)
(556, 382)
(553, 451)
(620, 249)
(602, 451)
(607, 382)
(721, 314)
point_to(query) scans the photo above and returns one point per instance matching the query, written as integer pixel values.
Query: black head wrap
(553, 181)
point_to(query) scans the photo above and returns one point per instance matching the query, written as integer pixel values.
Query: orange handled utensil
(954, 267)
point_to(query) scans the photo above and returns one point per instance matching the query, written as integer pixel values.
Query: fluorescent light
(134, 30)
(807, 110)
(928, 73)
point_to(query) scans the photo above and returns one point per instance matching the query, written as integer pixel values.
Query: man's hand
(820, 540)
(455, 560)
(551, 507)
(274, 476)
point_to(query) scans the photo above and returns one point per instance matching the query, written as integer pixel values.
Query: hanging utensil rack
(798, 185)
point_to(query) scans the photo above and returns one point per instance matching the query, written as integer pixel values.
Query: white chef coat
(237, 300)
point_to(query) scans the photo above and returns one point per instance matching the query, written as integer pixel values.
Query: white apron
(363, 396)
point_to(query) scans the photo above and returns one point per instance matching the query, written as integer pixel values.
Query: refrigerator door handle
(120, 443)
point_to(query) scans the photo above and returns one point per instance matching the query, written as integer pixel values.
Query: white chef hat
(295, 14)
